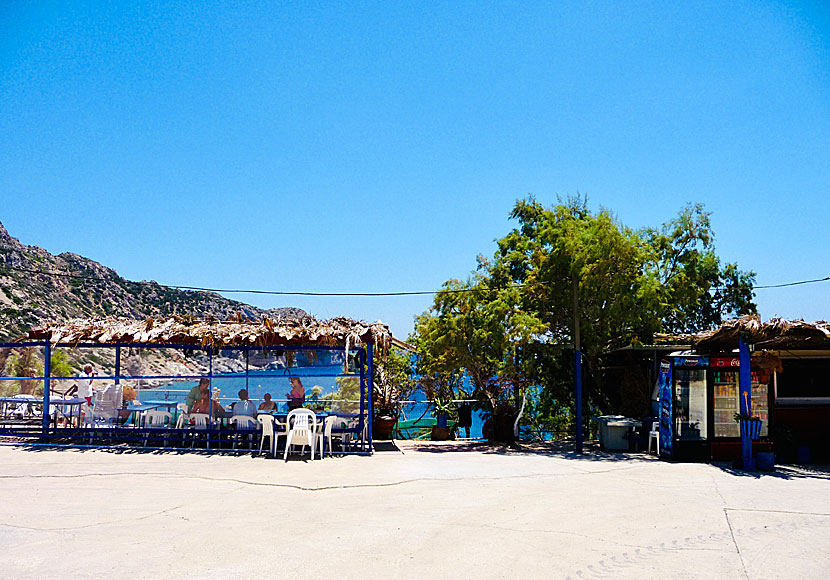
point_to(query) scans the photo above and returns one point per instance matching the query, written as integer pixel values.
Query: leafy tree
(477, 328)
(25, 364)
(696, 292)
(59, 364)
(510, 325)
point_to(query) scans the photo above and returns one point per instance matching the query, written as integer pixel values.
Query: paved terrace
(447, 510)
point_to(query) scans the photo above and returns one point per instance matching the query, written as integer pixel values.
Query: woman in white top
(85, 384)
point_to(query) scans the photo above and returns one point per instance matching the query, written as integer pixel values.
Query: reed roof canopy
(339, 332)
(777, 334)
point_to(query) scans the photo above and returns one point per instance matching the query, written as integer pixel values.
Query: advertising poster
(666, 422)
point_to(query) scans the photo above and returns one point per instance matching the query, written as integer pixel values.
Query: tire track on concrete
(611, 567)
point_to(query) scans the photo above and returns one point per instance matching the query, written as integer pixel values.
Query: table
(54, 402)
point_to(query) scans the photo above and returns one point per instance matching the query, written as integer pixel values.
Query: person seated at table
(196, 393)
(296, 397)
(244, 406)
(205, 405)
(267, 404)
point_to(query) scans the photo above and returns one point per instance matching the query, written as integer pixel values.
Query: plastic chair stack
(302, 428)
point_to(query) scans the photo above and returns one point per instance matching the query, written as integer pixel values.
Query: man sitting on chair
(244, 406)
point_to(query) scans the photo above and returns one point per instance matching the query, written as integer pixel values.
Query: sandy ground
(453, 510)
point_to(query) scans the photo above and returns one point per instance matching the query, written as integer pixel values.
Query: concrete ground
(451, 511)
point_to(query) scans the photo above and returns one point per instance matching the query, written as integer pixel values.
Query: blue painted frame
(45, 433)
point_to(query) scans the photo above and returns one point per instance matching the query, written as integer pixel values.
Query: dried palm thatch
(777, 334)
(339, 332)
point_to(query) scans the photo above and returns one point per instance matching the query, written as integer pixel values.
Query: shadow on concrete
(561, 449)
(781, 471)
(385, 446)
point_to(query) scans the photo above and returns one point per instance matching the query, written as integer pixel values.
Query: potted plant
(750, 426)
(443, 411)
(394, 381)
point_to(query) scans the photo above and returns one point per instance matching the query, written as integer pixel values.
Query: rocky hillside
(28, 299)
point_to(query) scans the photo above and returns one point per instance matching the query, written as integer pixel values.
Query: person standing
(85, 383)
(465, 417)
(296, 397)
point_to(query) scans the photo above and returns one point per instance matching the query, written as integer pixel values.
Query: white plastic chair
(243, 424)
(24, 408)
(267, 425)
(325, 437)
(184, 418)
(302, 427)
(155, 419)
(654, 435)
(201, 421)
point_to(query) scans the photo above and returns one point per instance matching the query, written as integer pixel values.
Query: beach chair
(302, 425)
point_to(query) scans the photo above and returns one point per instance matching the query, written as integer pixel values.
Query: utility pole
(577, 367)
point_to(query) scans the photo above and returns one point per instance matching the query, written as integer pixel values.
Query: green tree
(696, 292)
(512, 324)
(25, 364)
(59, 364)
(477, 328)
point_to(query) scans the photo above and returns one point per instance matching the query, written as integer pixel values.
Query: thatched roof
(307, 330)
(777, 334)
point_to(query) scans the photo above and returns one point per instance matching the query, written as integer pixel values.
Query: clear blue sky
(381, 146)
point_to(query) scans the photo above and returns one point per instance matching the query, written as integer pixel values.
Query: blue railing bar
(21, 344)
(208, 376)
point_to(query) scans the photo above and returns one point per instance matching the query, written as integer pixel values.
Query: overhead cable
(342, 294)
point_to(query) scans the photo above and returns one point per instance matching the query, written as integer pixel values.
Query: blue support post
(745, 389)
(578, 395)
(47, 370)
(117, 364)
(210, 395)
(577, 366)
(369, 389)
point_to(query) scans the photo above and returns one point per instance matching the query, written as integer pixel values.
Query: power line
(357, 294)
(283, 293)
(825, 279)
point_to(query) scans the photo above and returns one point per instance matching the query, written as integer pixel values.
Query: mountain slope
(28, 299)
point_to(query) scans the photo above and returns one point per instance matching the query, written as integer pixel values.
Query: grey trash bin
(602, 423)
(618, 434)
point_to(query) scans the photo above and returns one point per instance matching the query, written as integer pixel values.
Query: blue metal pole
(117, 364)
(369, 389)
(577, 367)
(578, 394)
(47, 370)
(745, 388)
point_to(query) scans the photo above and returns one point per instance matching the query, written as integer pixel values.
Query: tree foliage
(510, 320)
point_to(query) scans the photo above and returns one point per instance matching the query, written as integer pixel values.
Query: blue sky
(379, 147)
